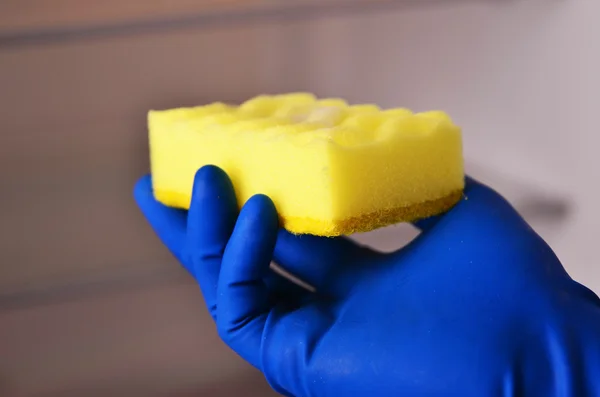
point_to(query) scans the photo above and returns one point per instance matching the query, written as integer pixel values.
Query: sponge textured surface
(330, 168)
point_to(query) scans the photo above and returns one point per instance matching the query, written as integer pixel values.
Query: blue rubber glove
(477, 305)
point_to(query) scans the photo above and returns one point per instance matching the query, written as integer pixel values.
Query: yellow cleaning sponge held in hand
(330, 168)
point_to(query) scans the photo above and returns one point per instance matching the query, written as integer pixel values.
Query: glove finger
(169, 224)
(321, 262)
(482, 215)
(211, 218)
(484, 210)
(426, 224)
(243, 298)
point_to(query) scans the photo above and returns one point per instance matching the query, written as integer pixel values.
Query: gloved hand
(477, 305)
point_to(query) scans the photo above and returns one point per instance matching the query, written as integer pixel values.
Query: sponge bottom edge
(338, 227)
(374, 220)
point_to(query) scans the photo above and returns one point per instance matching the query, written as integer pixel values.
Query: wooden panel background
(46, 15)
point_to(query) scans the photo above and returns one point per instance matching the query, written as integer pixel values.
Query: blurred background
(92, 305)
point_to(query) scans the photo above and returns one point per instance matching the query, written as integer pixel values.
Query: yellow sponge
(329, 167)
